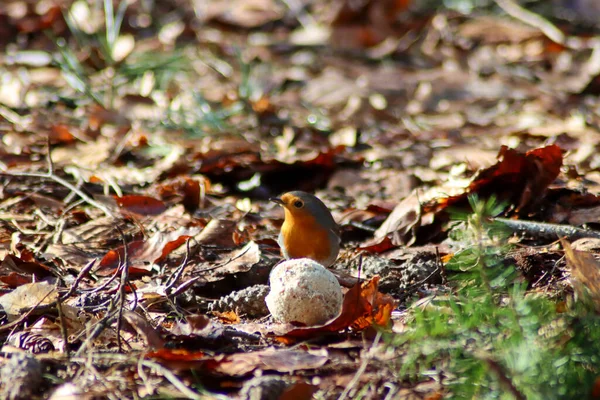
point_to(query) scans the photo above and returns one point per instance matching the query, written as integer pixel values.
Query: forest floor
(141, 142)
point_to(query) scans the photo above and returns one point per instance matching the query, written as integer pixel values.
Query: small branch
(49, 157)
(84, 271)
(504, 379)
(171, 377)
(360, 371)
(100, 326)
(64, 183)
(124, 267)
(546, 27)
(51, 175)
(544, 230)
(183, 287)
(174, 277)
(63, 327)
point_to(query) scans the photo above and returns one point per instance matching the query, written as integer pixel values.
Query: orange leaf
(143, 205)
(14, 279)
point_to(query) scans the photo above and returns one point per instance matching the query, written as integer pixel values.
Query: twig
(362, 226)
(100, 326)
(49, 157)
(171, 377)
(504, 380)
(183, 287)
(546, 230)
(144, 377)
(66, 184)
(223, 264)
(63, 327)
(174, 277)
(360, 371)
(84, 271)
(122, 284)
(105, 284)
(50, 175)
(516, 11)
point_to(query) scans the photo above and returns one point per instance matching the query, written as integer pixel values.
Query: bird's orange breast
(306, 239)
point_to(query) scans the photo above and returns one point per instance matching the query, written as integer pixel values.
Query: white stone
(302, 290)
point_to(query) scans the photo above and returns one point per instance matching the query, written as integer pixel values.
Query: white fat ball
(302, 290)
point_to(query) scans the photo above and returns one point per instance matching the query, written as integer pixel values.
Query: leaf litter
(134, 180)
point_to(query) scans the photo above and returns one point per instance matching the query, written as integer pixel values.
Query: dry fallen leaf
(585, 273)
(281, 360)
(27, 296)
(143, 255)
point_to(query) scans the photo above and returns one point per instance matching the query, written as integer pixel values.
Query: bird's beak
(276, 200)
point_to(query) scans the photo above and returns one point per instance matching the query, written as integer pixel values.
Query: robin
(309, 230)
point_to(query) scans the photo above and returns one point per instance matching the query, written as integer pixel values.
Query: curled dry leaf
(143, 327)
(14, 279)
(281, 360)
(20, 266)
(218, 232)
(520, 178)
(28, 296)
(585, 273)
(240, 364)
(405, 217)
(241, 260)
(142, 205)
(189, 190)
(142, 255)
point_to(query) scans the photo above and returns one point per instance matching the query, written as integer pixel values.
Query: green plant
(105, 71)
(488, 337)
(200, 117)
(105, 41)
(197, 116)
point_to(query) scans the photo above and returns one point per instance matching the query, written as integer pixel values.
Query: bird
(309, 230)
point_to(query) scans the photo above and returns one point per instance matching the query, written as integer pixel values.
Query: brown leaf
(244, 13)
(142, 205)
(61, 134)
(526, 176)
(585, 273)
(14, 279)
(144, 254)
(298, 391)
(240, 364)
(227, 317)
(240, 260)
(27, 296)
(519, 178)
(281, 360)
(143, 327)
(218, 232)
(17, 264)
(178, 358)
(405, 218)
(189, 190)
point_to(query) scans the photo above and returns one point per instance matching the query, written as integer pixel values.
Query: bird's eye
(298, 204)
